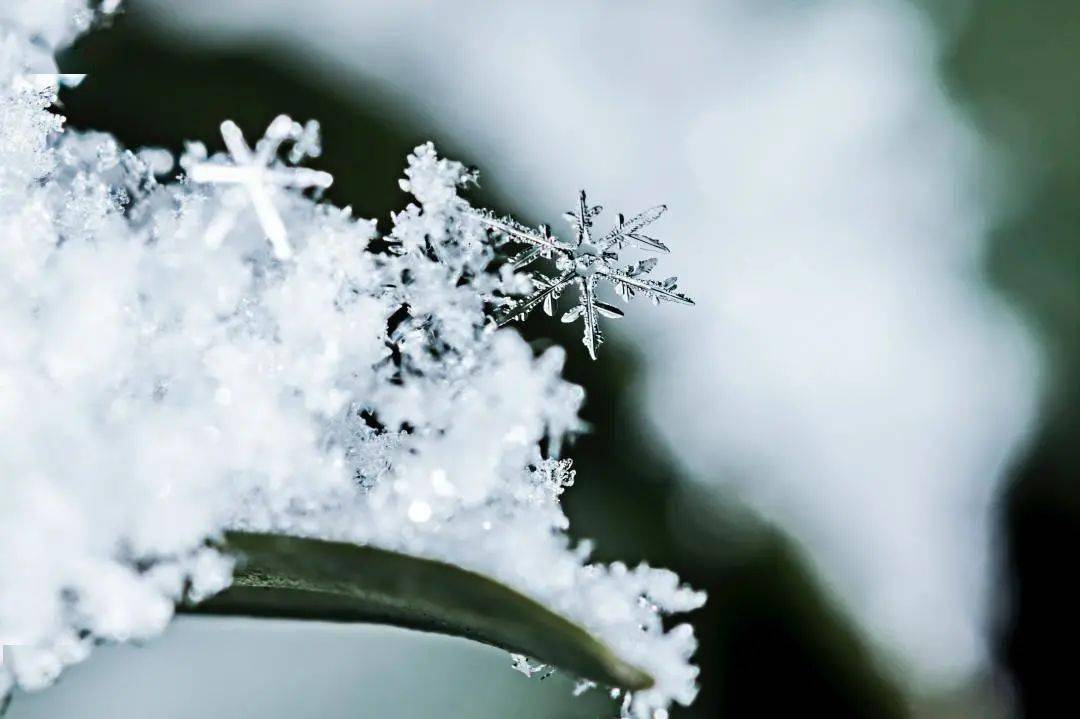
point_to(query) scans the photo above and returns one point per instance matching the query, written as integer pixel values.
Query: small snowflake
(520, 663)
(584, 262)
(582, 686)
(259, 173)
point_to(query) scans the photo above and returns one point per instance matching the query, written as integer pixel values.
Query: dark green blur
(1013, 68)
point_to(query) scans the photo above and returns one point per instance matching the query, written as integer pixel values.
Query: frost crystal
(583, 263)
(259, 173)
(159, 386)
(520, 663)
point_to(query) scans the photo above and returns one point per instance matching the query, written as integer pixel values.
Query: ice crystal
(583, 263)
(259, 173)
(520, 663)
(583, 685)
(165, 377)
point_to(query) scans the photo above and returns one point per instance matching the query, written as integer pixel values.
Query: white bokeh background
(847, 371)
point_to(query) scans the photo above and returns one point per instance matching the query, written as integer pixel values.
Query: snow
(166, 375)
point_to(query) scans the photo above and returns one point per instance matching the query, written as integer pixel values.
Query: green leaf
(296, 578)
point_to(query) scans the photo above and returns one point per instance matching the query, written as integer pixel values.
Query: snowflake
(520, 663)
(583, 263)
(259, 173)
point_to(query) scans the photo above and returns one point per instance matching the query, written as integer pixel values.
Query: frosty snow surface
(221, 350)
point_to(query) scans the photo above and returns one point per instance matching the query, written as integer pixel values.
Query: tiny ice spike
(259, 173)
(583, 263)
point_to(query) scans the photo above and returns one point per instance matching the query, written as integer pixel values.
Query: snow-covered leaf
(291, 577)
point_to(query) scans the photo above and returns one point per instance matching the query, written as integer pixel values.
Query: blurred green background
(1011, 70)
(773, 641)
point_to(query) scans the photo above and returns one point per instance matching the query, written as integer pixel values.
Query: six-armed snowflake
(583, 263)
(259, 174)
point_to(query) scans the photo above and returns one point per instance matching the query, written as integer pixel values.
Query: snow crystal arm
(545, 295)
(520, 233)
(270, 220)
(626, 231)
(280, 129)
(235, 143)
(651, 288)
(301, 177)
(592, 338)
(223, 174)
(584, 219)
(526, 257)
